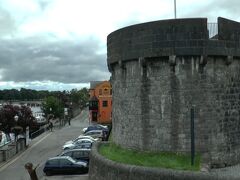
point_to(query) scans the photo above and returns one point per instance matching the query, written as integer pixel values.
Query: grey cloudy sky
(61, 44)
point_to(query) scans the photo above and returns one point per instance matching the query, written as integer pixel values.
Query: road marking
(20, 155)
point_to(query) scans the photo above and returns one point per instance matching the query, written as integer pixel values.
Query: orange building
(100, 103)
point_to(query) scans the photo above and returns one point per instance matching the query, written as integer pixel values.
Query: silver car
(94, 133)
(80, 137)
(79, 142)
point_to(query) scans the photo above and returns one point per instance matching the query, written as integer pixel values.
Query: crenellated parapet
(179, 37)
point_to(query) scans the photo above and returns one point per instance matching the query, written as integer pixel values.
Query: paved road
(47, 145)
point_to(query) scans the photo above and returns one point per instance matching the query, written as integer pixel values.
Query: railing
(213, 30)
(38, 132)
(4, 144)
(58, 124)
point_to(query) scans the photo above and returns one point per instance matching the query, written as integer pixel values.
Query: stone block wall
(154, 92)
(184, 37)
(228, 30)
(152, 106)
(8, 151)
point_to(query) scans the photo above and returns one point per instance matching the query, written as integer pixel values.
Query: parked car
(95, 127)
(64, 165)
(94, 133)
(72, 145)
(77, 154)
(87, 137)
(83, 146)
(81, 137)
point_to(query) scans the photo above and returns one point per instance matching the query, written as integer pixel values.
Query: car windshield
(102, 126)
(71, 159)
(81, 142)
(85, 145)
(75, 140)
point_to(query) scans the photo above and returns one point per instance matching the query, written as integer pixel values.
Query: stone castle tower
(160, 70)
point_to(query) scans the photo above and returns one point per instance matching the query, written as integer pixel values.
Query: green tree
(53, 106)
(25, 117)
(84, 96)
(79, 97)
(74, 96)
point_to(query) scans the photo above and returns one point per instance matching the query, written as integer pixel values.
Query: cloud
(44, 4)
(62, 41)
(230, 9)
(42, 85)
(210, 9)
(7, 24)
(25, 60)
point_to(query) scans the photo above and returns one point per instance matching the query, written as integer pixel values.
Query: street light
(50, 109)
(50, 114)
(15, 132)
(16, 118)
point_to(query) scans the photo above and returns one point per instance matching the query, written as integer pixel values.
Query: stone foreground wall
(8, 151)
(162, 69)
(152, 107)
(104, 169)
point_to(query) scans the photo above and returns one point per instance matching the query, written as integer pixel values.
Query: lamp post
(50, 109)
(50, 114)
(15, 132)
(192, 137)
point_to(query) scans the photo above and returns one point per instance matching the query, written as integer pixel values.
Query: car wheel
(66, 149)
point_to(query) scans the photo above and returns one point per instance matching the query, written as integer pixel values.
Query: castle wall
(152, 106)
(154, 92)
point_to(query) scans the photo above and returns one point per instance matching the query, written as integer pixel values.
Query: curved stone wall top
(172, 37)
(228, 29)
(105, 169)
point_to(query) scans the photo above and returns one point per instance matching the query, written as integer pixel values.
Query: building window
(104, 103)
(105, 91)
(100, 91)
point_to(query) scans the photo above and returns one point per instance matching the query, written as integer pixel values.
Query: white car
(80, 137)
(87, 137)
(80, 141)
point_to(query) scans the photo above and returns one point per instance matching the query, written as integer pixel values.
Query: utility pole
(175, 9)
(192, 137)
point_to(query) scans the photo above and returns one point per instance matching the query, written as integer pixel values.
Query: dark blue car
(64, 165)
(96, 127)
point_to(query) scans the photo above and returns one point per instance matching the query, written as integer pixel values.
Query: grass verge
(149, 159)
